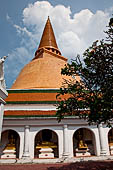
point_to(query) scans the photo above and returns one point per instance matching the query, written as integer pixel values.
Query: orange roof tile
(31, 97)
(34, 97)
(28, 113)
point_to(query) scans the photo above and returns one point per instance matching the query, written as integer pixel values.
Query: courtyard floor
(89, 165)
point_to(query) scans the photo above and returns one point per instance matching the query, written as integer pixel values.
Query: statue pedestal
(82, 152)
(9, 154)
(46, 153)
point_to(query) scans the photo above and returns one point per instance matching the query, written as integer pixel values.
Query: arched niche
(47, 140)
(84, 142)
(10, 144)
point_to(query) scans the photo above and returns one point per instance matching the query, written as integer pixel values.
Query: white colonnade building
(30, 127)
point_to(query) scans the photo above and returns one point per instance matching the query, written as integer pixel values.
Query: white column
(1, 117)
(102, 140)
(26, 142)
(65, 141)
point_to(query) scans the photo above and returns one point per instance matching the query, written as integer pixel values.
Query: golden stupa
(44, 71)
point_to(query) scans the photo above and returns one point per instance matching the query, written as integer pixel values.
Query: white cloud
(34, 12)
(70, 44)
(19, 54)
(74, 33)
(9, 19)
(17, 59)
(78, 31)
(22, 30)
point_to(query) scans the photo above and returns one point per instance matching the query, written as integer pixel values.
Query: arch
(6, 129)
(10, 144)
(84, 143)
(110, 141)
(46, 144)
(42, 128)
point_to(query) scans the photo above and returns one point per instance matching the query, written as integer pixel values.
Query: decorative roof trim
(33, 90)
(32, 102)
(18, 116)
(49, 52)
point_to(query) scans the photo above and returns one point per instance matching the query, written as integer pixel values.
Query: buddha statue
(46, 144)
(11, 144)
(110, 141)
(12, 140)
(82, 145)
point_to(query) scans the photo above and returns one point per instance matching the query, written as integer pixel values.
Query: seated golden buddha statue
(46, 144)
(82, 145)
(110, 141)
(11, 144)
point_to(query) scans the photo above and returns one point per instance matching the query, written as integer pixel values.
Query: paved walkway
(90, 165)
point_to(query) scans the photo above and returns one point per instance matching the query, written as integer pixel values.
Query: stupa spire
(48, 40)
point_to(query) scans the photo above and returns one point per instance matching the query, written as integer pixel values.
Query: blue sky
(76, 23)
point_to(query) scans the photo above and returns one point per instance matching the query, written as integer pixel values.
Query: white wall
(37, 125)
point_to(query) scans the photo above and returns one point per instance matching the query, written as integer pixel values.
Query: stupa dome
(44, 71)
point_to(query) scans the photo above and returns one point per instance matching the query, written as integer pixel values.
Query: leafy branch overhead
(90, 89)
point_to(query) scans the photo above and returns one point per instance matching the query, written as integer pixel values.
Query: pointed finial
(48, 40)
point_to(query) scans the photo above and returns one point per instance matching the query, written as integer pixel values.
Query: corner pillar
(1, 117)
(102, 140)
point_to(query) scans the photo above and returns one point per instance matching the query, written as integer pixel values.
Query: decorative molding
(33, 90)
(32, 102)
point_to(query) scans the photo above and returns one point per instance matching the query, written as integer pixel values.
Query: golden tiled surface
(43, 72)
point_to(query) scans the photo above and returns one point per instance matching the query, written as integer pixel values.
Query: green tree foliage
(91, 97)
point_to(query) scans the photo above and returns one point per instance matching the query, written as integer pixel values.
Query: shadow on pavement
(90, 165)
